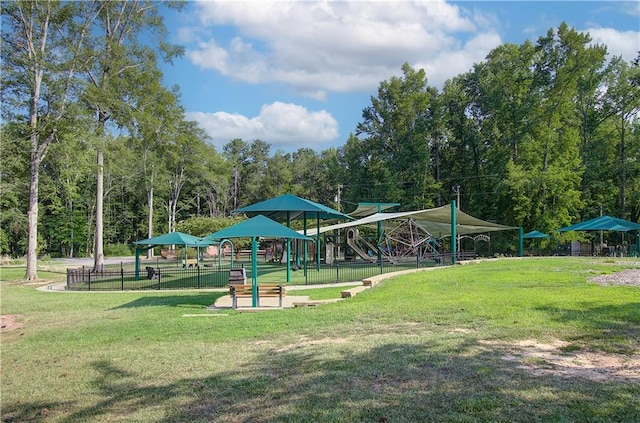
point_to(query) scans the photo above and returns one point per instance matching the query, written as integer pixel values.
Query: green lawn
(446, 345)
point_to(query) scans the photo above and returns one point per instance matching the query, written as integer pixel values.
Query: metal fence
(110, 279)
(217, 276)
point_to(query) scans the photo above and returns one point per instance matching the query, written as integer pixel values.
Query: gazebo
(171, 238)
(257, 227)
(286, 207)
(606, 223)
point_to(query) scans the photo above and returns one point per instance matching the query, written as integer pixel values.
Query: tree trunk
(623, 170)
(32, 215)
(98, 243)
(150, 221)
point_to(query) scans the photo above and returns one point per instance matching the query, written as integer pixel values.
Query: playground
(371, 241)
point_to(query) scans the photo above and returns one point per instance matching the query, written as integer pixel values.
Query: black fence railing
(159, 277)
(110, 279)
(356, 271)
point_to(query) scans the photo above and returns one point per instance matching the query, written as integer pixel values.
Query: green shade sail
(257, 226)
(603, 223)
(436, 221)
(172, 238)
(288, 205)
(175, 238)
(535, 234)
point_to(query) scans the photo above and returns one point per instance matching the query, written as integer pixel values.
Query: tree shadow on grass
(28, 411)
(333, 381)
(196, 300)
(609, 328)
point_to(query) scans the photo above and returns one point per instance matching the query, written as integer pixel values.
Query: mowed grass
(429, 346)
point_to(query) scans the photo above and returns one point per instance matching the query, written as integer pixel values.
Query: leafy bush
(116, 250)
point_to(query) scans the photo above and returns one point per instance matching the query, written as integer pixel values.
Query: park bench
(189, 263)
(264, 290)
(467, 255)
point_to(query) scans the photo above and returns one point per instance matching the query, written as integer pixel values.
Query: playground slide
(369, 245)
(352, 237)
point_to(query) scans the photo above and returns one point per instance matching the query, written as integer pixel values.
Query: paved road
(88, 261)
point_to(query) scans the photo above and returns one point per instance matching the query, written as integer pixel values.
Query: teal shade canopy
(175, 238)
(257, 226)
(535, 234)
(277, 209)
(603, 223)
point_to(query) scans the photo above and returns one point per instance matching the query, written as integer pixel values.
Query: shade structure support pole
(254, 272)
(454, 235)
(137, 264)
(305, 248)
(318, 241)
(288, 249)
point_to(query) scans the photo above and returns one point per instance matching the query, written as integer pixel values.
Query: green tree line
(97, 151)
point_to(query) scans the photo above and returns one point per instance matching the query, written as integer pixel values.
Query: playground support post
(288, 249)
(318, 241)
(137, 264)
(454, 234)
(304, 247)
(254, 272)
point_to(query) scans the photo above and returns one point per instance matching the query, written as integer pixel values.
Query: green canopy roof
(535, 234)
(602, 223)
(175, 238)
(367, 209)
(436, 221)
(257, 226)
(278, 207)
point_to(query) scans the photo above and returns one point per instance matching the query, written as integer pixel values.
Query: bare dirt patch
(306, 342)
(547, 359)
(9, 322)
(626, 277)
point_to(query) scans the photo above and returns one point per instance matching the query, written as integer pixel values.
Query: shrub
(115, 250)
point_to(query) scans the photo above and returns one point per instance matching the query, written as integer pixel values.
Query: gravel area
(626, 277)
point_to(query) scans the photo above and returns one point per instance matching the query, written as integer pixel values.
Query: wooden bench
(189, 263)
(467, 255)
(264, 290)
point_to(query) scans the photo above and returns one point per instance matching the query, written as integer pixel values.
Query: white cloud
(619, 43)
(454, 62)
(350, 46)
(283, 125)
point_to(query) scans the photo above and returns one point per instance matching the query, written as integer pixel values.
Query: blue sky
(298, 73)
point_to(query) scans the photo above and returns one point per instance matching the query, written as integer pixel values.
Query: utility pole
(456, 190)
(337, 197)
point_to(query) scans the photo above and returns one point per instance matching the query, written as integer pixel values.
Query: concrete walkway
(351, 289)
(288, 301)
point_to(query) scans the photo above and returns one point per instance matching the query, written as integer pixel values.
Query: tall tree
(622, 100)
(119, 65)
(236, 152)
(14, 188)
(39, 64)
(395, 128)
(152, 130)
(278, 175)
(65, 172)
(212, 184)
